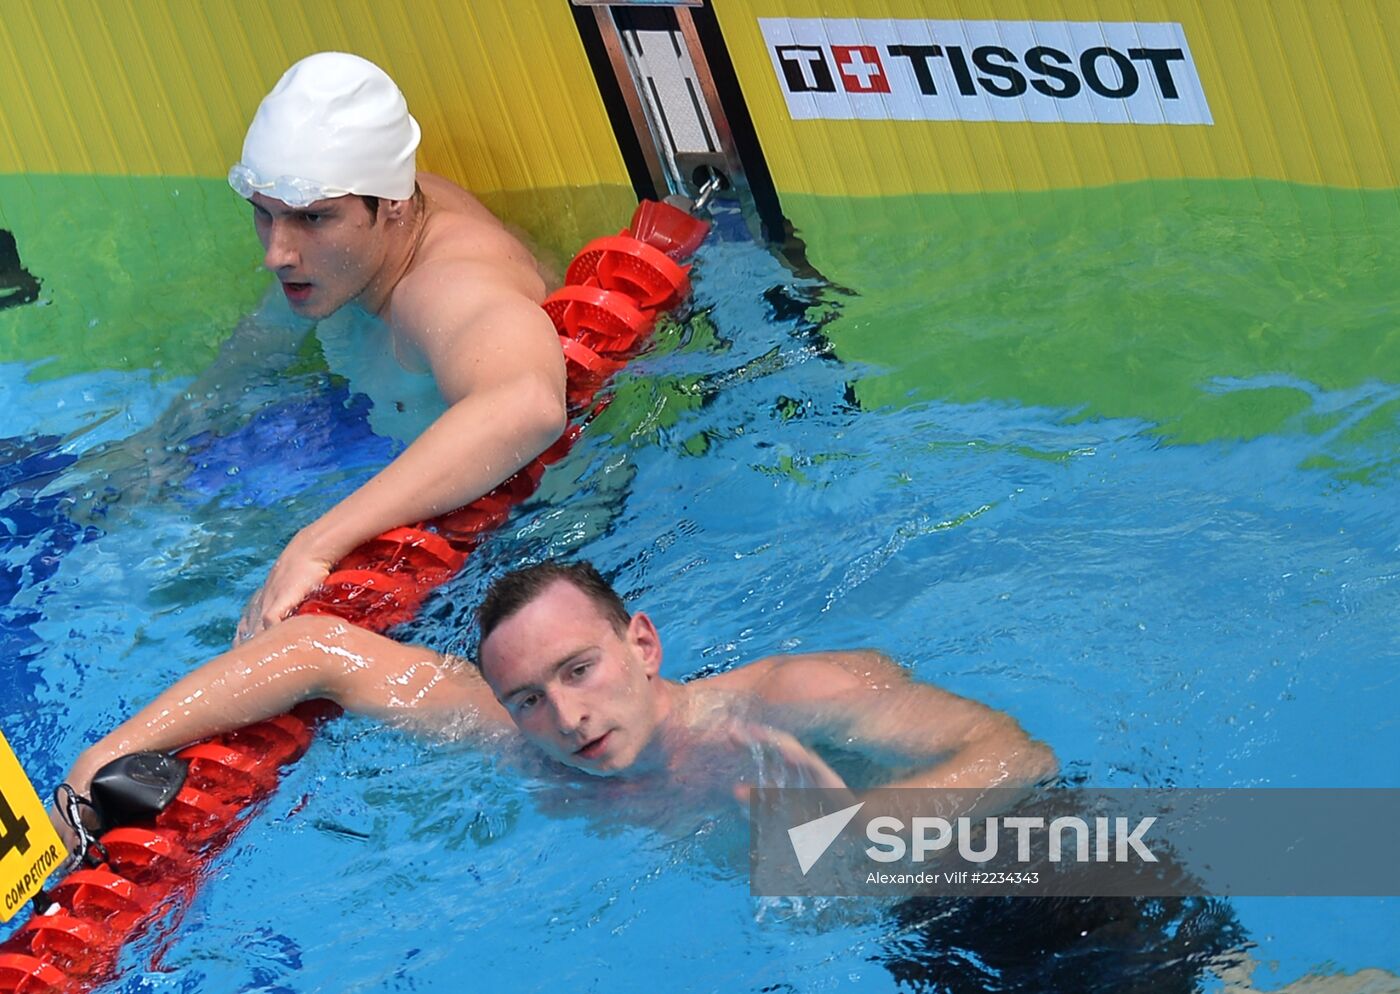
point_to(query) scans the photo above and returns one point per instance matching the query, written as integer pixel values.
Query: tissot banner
(1101, 72)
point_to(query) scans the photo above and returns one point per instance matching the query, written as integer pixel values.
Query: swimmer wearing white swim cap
(345, 218)
(335, 124)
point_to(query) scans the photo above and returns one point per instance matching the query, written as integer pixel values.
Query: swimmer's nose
(569, 716)
(281, 251)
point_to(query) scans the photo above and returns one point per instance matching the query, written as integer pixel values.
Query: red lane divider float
(614, 290)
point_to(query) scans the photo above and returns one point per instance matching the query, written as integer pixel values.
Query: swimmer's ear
(395, 210)
(643, 636)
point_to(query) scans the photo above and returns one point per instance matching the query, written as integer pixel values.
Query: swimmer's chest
(404, 397)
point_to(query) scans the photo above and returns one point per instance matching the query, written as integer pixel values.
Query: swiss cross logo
(860, 68)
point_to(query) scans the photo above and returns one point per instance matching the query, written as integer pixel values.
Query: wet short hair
(372, 203)
(509, 593)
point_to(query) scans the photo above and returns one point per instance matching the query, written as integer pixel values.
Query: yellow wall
(1300, 90)
(166, 87)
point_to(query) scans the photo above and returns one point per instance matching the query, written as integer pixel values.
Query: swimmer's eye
(313, 218)
(526, 702)
(579, 669)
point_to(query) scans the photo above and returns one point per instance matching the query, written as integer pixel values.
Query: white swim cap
(334, 124)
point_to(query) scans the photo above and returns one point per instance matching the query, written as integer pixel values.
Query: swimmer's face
(580, 691)
(325, 255)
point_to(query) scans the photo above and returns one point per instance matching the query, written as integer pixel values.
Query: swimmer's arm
(501, 369)
(305, 658)
(503, 374)
(866, 701)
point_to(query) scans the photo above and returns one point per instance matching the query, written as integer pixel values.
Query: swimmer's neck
(673, 720)
(403, 238)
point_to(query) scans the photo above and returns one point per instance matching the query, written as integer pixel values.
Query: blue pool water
(1190, 615)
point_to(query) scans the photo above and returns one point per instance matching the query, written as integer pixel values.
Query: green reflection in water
(1213, 309)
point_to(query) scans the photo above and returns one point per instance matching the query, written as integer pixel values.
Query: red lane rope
(614, 290)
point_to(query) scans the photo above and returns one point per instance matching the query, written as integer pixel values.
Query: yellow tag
(30, 848)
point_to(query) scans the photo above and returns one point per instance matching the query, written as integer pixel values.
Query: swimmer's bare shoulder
(469, 305)
(463, 235)
(811, 676)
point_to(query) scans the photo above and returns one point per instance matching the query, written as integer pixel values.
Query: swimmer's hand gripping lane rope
(614, 290)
